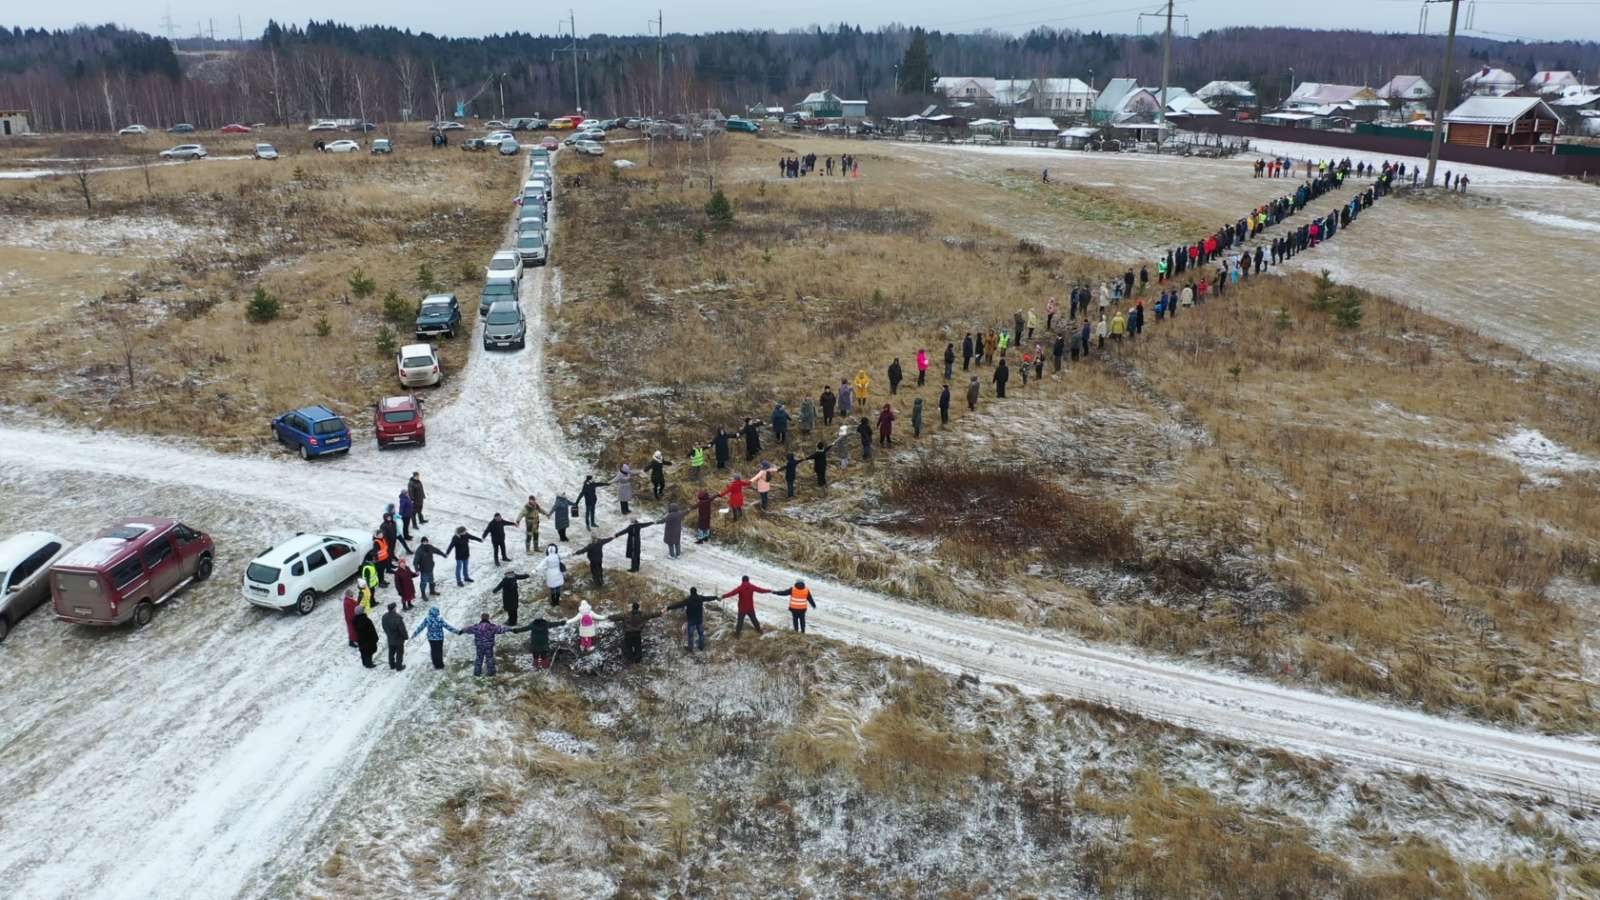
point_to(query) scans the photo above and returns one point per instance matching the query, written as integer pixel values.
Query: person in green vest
(697, 463)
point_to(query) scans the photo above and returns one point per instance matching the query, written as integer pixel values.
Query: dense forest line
(102, 77)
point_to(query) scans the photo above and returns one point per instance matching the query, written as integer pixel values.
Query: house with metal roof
(1227, 94)
(1408, 93)
(1059, 95)
(1551, 82)
(1490, 82)
(1527, 124)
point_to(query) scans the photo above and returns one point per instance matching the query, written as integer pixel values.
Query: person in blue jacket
(435, 625)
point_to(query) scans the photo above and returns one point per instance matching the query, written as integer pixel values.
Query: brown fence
(1543, 163)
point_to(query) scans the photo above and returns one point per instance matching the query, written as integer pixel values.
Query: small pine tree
(394, 308)
(426, 282)
(1348, 312)
(719, 211)
(1323, 297)
(699, 237)
(384, 340)
(323, 326)
(263, 307)
(1283, 321)
(469, 272)
(362, 286)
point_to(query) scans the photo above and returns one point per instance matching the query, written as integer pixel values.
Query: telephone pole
(577, 89)
(1166, 69)
(660, 69)
(1445, 78)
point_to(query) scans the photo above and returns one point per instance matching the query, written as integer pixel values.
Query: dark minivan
(125, 570)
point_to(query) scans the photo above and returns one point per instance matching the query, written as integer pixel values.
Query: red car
(398, 420)
(550, 143)
(127, 569)
(235, 128)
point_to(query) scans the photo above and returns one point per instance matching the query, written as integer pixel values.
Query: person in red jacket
(405, 583)
(886, 426)
(735, 494)
(350, 616)
(746, 592)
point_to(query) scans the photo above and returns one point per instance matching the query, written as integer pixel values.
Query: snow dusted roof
(1316, 93)
(1080, 131)
(1497, 82)
(1033, 123)
(94, 553)
(1060, 86)
(1214, 89)
(1403, 87)
(1496, 110)
(1548, 82)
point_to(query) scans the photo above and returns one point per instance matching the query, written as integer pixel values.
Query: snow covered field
(196, 757)
(1529, 238)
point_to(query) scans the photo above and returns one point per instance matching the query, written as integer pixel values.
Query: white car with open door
(300, 571)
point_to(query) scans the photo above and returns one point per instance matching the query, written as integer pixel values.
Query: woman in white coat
(554, 573)
(586, 622)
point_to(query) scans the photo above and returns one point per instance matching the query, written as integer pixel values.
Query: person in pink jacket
(762, 482)
(922, 367)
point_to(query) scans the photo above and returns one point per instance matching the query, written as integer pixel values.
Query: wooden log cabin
(1527, 124)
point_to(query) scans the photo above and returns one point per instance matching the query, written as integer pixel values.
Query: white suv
(185, 151)
(418, 365)
(505, 265)
(300, 570)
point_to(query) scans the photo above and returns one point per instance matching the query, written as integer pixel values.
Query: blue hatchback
(312, 430)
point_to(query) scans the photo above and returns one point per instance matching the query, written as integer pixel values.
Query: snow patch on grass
(1541, 459)
(148, 236)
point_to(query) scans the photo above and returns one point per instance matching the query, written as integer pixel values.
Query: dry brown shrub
(1010, 512)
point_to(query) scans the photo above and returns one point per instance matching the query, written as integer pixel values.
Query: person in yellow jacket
(1119, 327)
(863, 383)
(1033, 321)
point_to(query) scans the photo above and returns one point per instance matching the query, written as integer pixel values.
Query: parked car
(538, 186)
(312, 431)
(504, 326)
(234, 128)
(299, 571)
(575, 137)
(343, 146)
(530, 246)
(134, 129)
(324, 125)
(398, 420)
(418, 365)
(364, 127)
(532, 220)
(510, 147)
(505, 265)
(497, 125)
(549, 143)
(125, 570)
(382, 145)
(266, 151)
(438, 314)
(25, 561)
(474, 144)
(562, 123)
(589, 148)
(181, 128)
(495, 137)
(744, 125)
(185, 151)
(493, 292)
(447, 126)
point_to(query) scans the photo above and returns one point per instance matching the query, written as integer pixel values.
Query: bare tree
(80, 168)
(405, 70)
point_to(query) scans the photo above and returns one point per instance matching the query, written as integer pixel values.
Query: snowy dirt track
(195, 757)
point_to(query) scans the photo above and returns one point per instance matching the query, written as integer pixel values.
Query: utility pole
(1166, 68)
(660, 69)
(577, 89)
(1445, 78)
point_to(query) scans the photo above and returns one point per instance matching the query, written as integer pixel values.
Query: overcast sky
(1531, 19)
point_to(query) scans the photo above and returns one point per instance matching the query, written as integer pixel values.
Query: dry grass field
(1307, 501)
(132, 314)
(790, 766)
